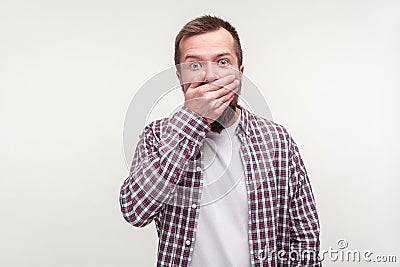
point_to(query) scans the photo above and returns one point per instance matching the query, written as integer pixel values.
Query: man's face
(208, 57)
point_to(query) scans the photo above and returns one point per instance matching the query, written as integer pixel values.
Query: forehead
(207, 43)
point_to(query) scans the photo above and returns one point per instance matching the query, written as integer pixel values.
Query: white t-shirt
(222, 229)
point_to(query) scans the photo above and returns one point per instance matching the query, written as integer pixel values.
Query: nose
(211, 72)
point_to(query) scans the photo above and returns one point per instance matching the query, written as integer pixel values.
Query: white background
(69, 69)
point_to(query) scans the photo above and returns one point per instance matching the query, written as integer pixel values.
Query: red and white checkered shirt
(165, 184)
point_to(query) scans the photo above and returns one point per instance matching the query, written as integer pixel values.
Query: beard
(226, 117)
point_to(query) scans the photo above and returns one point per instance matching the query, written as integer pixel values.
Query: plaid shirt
(166, 178)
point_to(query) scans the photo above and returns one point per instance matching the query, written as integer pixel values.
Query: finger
(224, 105)
(234, 86)
(217, 84)
(197, 81)
(227, 98)
(223, 102)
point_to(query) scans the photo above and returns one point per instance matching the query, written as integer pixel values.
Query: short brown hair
(206, 24)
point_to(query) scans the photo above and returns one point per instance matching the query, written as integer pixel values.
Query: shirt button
(187, 242)
(194, 206)
(198, 169)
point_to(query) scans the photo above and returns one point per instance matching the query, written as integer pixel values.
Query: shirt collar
(244, 122)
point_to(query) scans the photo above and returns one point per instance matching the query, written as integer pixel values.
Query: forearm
(160, 163)
(305, 228)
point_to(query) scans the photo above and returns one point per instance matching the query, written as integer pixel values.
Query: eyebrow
(223, 54)
(189, 56)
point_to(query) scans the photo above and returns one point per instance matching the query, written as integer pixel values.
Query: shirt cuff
(190, 125)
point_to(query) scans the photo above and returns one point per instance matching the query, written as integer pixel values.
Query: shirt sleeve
(304, 222)
(159, 164)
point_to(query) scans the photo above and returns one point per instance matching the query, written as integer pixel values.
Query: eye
(195, 65)
(223, 62)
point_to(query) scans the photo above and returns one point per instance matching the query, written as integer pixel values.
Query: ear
(179, 75)
(241, 69)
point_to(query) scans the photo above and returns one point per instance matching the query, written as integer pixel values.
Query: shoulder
(260, 126)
